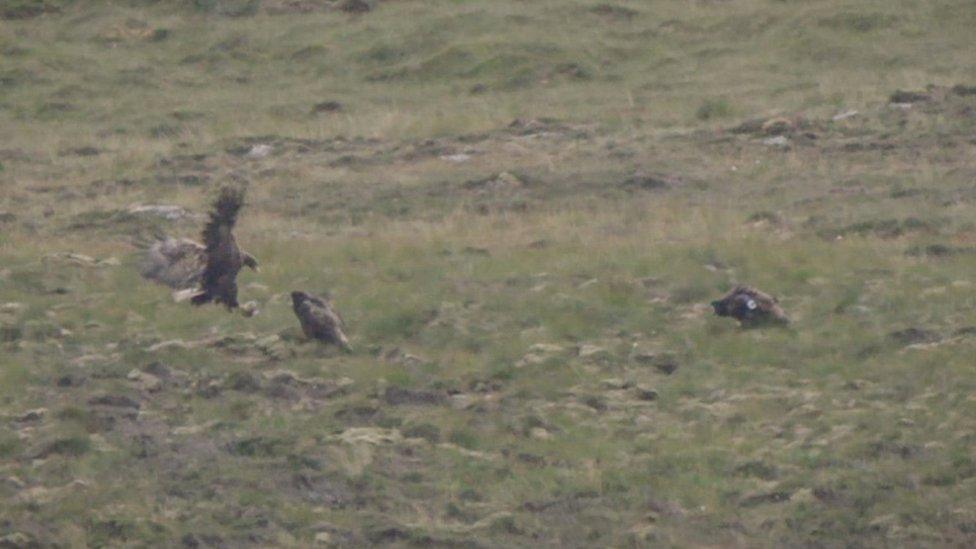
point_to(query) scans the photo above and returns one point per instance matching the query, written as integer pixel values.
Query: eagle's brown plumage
(175, 262)
(318, 319)
(224, 259)
(750, 307)
(179, 262)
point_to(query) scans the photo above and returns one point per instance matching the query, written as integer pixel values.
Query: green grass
(516, 207)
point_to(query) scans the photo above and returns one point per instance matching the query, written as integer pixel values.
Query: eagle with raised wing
(224, 259)
(751, 307)
(319, 321)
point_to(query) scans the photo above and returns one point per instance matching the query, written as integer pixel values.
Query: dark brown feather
(224, 258)
(318, 319)
(750, 307)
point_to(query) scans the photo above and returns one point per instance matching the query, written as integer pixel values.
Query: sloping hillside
(522, 210)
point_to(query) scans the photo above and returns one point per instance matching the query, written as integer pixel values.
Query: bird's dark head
(250, 261)
(721, 307)
(298, 297)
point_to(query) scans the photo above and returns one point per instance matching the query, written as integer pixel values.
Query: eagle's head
(297, 298)
(249, 261)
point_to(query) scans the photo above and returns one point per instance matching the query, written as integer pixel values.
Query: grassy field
(522, 210)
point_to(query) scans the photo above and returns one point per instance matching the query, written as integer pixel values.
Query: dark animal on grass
(751, 307)
(319, 321)
(224, 259)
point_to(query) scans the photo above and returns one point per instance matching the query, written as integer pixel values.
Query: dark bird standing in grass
(224, 259)
(750, 307)
(318, 319)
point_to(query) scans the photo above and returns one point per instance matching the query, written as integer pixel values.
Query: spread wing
(223, 257)
(177, 263)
